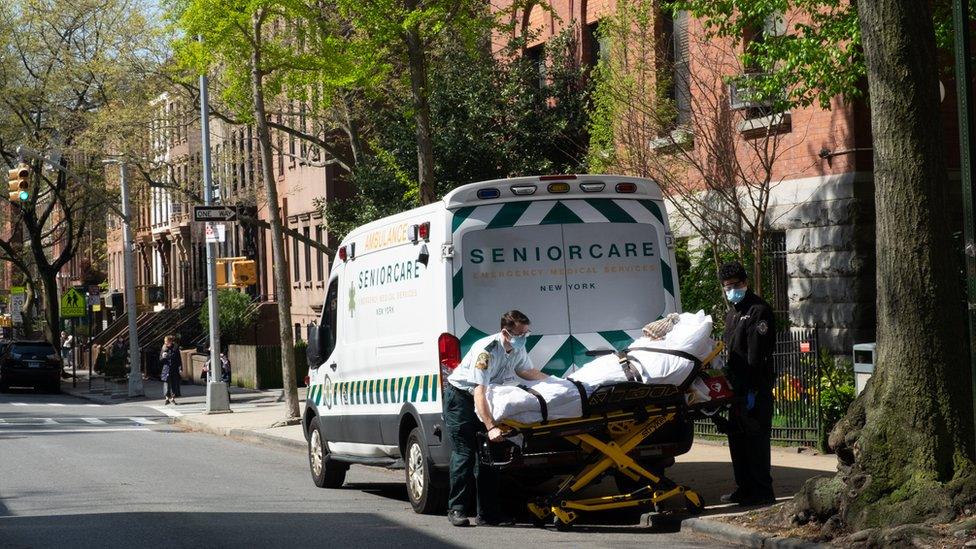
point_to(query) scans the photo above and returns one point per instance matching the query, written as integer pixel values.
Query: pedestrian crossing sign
(73, 304)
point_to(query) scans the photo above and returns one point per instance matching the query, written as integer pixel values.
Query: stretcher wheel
(694, 503)
(560, 525)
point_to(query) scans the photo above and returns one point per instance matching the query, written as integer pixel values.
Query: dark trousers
(470, 480)
(749, 432)
(171, 386)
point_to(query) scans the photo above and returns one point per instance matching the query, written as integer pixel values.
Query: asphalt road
(74, 474)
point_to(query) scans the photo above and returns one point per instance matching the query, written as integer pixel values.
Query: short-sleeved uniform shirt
(487, 363)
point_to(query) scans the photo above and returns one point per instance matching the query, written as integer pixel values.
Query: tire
(326, 472)
(426, 488)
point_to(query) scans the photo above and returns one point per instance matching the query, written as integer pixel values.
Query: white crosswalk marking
(93, 420)
(55, 404)
(143, 421)
(18, 404)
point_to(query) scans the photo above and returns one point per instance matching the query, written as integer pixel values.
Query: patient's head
(660, 328)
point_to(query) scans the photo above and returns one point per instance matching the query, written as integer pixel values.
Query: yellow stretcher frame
(561, 509)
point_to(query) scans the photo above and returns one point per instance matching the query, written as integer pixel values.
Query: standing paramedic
(499, 359)
(749, 340)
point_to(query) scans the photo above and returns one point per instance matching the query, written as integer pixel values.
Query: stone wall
(829, 227)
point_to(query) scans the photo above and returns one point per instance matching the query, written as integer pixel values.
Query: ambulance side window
(330, 322)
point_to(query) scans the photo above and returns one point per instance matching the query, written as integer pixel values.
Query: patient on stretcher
(688, 332)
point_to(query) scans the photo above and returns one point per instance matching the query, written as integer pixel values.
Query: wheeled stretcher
(620, 431)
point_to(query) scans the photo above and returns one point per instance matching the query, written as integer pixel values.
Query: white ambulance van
(589, 259)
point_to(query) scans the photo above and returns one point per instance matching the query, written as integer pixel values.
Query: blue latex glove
(751, 400)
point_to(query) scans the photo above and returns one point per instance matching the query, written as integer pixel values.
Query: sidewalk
(706, 467)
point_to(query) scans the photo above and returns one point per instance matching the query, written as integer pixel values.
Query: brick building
(820, 222)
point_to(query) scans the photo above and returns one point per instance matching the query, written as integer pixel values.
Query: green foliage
(837, 390)
(814, 55)
(235, 314)
(491, 119)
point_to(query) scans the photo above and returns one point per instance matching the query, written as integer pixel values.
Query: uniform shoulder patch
(762, 327)
(482, 361)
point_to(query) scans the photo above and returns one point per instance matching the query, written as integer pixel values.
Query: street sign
(215, 233)
(73, 304)
(214, 213)
(94, 299)
(18, 295)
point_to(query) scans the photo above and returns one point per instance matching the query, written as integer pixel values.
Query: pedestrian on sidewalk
(750, 339)
(67, 346)
(172, 363)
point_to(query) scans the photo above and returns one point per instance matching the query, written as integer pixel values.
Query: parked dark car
(30, 364)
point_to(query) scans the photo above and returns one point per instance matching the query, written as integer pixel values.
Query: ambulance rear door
(589, 273)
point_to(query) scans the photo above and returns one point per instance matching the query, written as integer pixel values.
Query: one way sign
(214, 213)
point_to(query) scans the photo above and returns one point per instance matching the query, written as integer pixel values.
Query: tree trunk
(424, 132)
(905, 446)
(280, 268)
(52, 307)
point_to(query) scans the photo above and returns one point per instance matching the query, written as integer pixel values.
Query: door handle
(333, 366)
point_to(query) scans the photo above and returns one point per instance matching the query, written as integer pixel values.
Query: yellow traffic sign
(73, 304)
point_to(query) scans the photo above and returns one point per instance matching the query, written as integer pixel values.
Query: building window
(298, 332)
(296, 269)
(536, 56)
(674, 38)
(598, 46)
(320, 256)
(308, 255)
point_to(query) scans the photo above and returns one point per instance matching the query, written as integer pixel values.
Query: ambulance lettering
(555, 253)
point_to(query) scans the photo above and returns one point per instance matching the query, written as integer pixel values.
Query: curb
(744, 536)
(243, 435)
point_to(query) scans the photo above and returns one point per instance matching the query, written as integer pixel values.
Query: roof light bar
(626, 187)
(488, 194)
(557, 188)
(592, 187)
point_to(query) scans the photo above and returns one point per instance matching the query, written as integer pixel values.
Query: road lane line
(94, 430)
(19, 404)
(55, 404)
(166, 411)
(93, 420)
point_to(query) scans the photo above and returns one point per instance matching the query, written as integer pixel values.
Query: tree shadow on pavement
(171, 530)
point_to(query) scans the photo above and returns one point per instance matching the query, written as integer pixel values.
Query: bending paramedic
(499, 359)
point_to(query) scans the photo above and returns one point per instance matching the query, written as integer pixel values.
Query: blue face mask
(735, 295)
(518, 342)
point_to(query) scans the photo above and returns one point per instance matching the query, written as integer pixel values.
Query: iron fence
(797, 412)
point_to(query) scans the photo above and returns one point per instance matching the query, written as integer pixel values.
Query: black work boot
(458, 518)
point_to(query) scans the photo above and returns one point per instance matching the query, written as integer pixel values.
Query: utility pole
(128, 247)
(218, 399)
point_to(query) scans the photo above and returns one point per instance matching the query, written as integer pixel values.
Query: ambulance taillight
(449, 350)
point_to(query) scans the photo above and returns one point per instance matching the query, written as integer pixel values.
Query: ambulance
(589, 259)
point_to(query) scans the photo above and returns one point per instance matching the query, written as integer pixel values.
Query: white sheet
(692, 334)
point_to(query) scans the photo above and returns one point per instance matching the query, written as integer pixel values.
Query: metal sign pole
(218, 400)
(128, 249)
(71, 353)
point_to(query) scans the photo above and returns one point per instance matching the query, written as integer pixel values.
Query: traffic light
(244, 272)
(18, 182)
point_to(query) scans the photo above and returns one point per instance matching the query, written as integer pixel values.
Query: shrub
(235, 314)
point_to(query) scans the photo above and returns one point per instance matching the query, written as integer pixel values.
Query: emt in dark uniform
(749, 341)
(499, 359)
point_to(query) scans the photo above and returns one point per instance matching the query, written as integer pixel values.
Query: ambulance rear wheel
(326, 472)
(426, 488)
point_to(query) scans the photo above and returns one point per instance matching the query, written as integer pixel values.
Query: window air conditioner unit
(742, 96)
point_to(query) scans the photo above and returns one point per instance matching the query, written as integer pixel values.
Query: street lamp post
(128, 246)
(218, 399)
